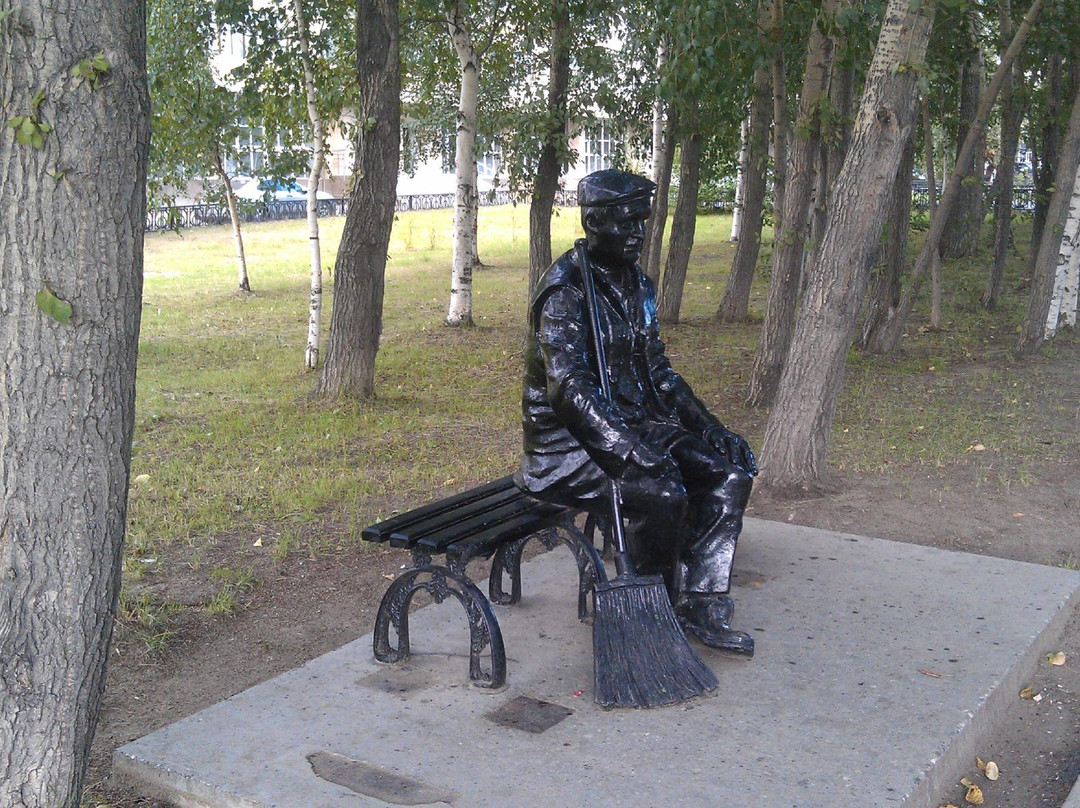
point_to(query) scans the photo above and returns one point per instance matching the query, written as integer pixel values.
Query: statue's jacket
(565, 417)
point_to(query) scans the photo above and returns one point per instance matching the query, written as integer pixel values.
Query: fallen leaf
(1057, 658)
(258, 543)
(388, 576)
(1027, 693)
(974, 794)
(1017, 515)
(931, 674)
(980, 765)
(1037, 697)
(992, 772)
(978, 447)
(142, 478)
(950, 805)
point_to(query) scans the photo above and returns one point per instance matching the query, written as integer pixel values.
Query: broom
(641, 657)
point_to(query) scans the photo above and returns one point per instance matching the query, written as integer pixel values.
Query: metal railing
(184, 216)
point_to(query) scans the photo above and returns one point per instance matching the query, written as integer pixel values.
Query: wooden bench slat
(382, 531)
(410, 534)
(439, 540)
(485, 542)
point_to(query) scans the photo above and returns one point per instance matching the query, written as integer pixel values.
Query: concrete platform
(879, 672)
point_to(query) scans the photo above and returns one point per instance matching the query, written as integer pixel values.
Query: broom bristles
(641, 657)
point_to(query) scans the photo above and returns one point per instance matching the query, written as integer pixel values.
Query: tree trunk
(683, 224)
(1033, 333)
(653, 249)
(71, 235)
(790, 242)
(741, 173)
(243, 283)
(550, 165)
(465, 198)
(780, 115)
(736, 301)
(936, 284)
(887, 337)
(797, 433)
(834, 141)
(1063, 301)
(961, 236)
(885, 285)
(1012, 113)
(1044, 167)
(659, 111)
(356, 321)
(318, 156)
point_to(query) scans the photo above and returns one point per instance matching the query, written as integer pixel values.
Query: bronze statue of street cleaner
(636, 433)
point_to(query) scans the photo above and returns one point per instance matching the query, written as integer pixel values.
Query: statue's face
(616, 234)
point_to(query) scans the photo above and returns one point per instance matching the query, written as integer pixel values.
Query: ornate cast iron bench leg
(507, 562)
(440, 582)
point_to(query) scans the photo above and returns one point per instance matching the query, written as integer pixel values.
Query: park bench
(496, 521)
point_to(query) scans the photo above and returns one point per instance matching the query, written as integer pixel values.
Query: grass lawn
(229, 446)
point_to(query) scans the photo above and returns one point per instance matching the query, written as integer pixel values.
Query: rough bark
(887, 337)
(1012, 113)
(735, 304)
(780, 115)
(318, 157)
(798, 429)
(73, 211)
(885, 284)
(741, 172)
(242, 280)
(961, 235)
(653, 248)
(790, 242)
(1033, 333)
(359, 272)
(683, 224)
(834, 141)
(1044, 155)
(549, 167)
(931, 193)
(465, 198)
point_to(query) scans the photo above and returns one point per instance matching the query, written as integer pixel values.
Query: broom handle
(623, 564)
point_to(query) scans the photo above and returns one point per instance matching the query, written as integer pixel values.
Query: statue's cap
(610, 187)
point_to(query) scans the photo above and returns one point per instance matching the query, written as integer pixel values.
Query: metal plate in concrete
(880, 669)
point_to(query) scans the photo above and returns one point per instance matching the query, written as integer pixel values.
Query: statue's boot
(707, 616)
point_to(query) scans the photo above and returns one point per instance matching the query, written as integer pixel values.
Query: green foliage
(53, 306)
(29, 129)
(91, 69)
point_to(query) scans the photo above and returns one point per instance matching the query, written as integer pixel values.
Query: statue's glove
(733, 447)
(652, 459)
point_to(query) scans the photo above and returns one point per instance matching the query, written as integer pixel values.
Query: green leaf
(15, 122)
(48, 302)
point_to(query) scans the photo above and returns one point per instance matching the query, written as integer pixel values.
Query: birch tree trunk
(549, 167)
(887, 337)
(359, 273)
(653, 249)
(1034, 331)
(71, 233)
(243, 283)
(799, 425)
(465, 198)
(735, 304)
(741, 173)
(790, 242)
(1064, 296)
(318, 156)
(683, 225)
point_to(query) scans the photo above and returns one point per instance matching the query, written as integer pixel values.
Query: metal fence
(184, 216)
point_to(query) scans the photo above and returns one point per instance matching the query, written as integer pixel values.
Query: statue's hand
(734, 448)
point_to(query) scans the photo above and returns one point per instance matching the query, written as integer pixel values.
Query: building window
(487, 164)
(599, 147)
